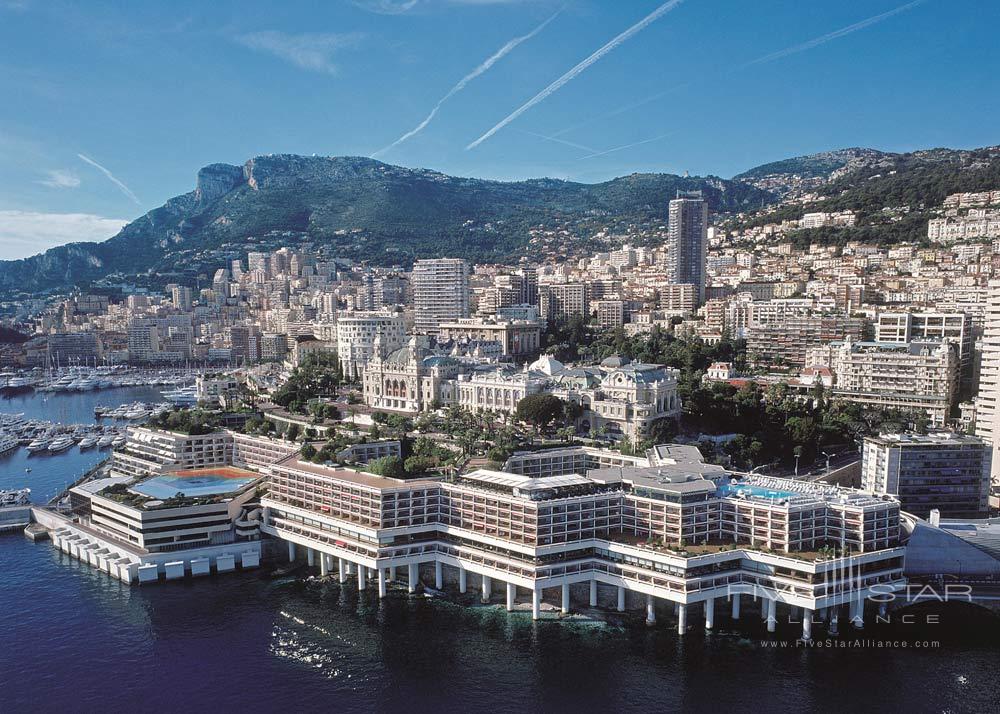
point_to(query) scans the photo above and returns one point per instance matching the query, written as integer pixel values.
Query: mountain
(358, 208)
(892, 195)
(790, 178)
(364, 209)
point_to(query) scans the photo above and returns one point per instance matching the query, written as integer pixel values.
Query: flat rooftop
(672, 478)
(943, 438)
(526, 483)
(359, 478)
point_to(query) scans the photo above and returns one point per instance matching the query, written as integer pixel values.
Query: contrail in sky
(557, 140)
(626, 146)
(760, 60)
(620, 110)
(111, 177)
(462, 83)
(816, 42)
(571, 74)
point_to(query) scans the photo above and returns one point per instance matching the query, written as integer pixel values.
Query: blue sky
(109, 108)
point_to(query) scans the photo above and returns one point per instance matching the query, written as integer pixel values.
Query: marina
(104, 426)
(46, 472)
(86, 379)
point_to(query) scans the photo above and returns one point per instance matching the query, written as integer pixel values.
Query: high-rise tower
(440, 293)
(687, 240)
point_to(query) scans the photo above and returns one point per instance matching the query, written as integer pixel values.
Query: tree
(388, 466)
(663, 431)
(308, 452)
(253, 425)
(420, 464)
(468, 439)
(539, 410)
(292, 433)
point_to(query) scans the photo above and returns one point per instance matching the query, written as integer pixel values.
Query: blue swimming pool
(196, 486)
(759, 491)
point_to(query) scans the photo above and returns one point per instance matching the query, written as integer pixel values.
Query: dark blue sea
(74, 640)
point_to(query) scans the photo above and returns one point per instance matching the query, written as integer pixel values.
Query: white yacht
(185, 396)
(82, 384)
(60, 444)
(39, 444)
(87, 442)
(8, 444)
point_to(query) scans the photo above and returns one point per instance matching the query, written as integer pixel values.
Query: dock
(36, 532)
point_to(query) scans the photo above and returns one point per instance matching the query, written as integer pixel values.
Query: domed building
(409, 379)
(619, 398)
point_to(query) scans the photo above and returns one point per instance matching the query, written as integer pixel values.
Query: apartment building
(440, 293)
(681, 299)
(561, 300)
(517, 338)
(687, 241)
(786, 343)
(71, 348)
(610, 314)
(912, 376)
(942, 471)
(366, 451)
(149, 452)
(356, 336)
(956, 327)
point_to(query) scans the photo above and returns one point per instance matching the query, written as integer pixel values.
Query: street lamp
(827, 462)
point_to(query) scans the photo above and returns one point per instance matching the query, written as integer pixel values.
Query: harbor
(63, 414)
(87, 379)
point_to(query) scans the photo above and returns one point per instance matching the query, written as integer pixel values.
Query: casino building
(618, 397)
(667, 527)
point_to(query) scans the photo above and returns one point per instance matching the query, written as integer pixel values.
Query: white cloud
(310, 50)
(60, 178)
(26, 233)
(386, 7)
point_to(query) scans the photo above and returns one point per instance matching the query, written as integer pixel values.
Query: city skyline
(587, 78)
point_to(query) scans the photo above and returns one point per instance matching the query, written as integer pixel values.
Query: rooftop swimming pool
(195, 485)
(757, 491)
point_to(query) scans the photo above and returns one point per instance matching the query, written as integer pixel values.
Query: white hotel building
(670, 528)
